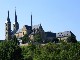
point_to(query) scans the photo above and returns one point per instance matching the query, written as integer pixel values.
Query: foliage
(56, 40)
(52, 51)
(37, 38)
(14, 39)
(72, 39)
(25, 39)
(10, 51)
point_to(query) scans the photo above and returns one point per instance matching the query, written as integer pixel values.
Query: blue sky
(54, 15)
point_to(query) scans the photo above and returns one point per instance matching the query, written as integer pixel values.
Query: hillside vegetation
(9, 50)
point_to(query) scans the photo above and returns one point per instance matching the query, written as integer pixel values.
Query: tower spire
(15, 15)
(8, 19)
(15, 24)
(8, 13)
(31, 19)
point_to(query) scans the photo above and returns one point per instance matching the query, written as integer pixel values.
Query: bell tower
(8, 28)
(15, 24)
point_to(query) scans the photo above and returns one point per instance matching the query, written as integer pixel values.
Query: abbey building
(31, 31)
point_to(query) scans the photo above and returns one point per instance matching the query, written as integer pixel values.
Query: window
(6, 32)
(14, 25)
(67, 34)
(6, 28)
(23, 33)
(6, 24)
(61, 33)
(58, 33)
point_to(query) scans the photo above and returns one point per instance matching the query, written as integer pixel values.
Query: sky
(54, 15)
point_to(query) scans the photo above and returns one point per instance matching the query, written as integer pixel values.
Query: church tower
(8, 28)
(15, 24)
(31, 20)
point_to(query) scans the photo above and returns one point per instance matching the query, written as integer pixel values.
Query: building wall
(63, 34)
(8, 31)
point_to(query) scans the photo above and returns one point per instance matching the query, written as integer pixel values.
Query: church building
(31, 31)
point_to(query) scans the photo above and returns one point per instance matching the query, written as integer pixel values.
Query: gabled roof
(19, 31)
(27, 27)
(36, 26)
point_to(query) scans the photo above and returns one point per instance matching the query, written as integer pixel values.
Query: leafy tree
(25, 39)
(56, 40)
(37, 38)
(28, 52)
(72, 39)
(14, 39)
(52, 51)
(10, 51)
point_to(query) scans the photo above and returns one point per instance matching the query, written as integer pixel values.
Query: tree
(10, 51)
(14, 39)
(25, 39)
(56, 40)
(37, 38)
(71, 39)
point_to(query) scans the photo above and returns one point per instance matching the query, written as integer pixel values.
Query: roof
(64, 34)
(27, 27)
(19, 30)
(36, 26)
(50, 34)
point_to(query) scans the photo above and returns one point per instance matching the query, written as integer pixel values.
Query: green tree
(10, 51)
(37, 38)
(72, 39)
(25, 39)
(14, 39)
(56, 40)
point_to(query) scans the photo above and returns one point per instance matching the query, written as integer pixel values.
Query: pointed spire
(8, 19)
(31, 19)
(15, 15)
(8, 13)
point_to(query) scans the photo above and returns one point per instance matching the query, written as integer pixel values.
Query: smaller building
(64, 35)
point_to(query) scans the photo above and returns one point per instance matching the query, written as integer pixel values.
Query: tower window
(14, 25)
(6, 32)
(6, 24)
(6, 28)
(23, 33)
